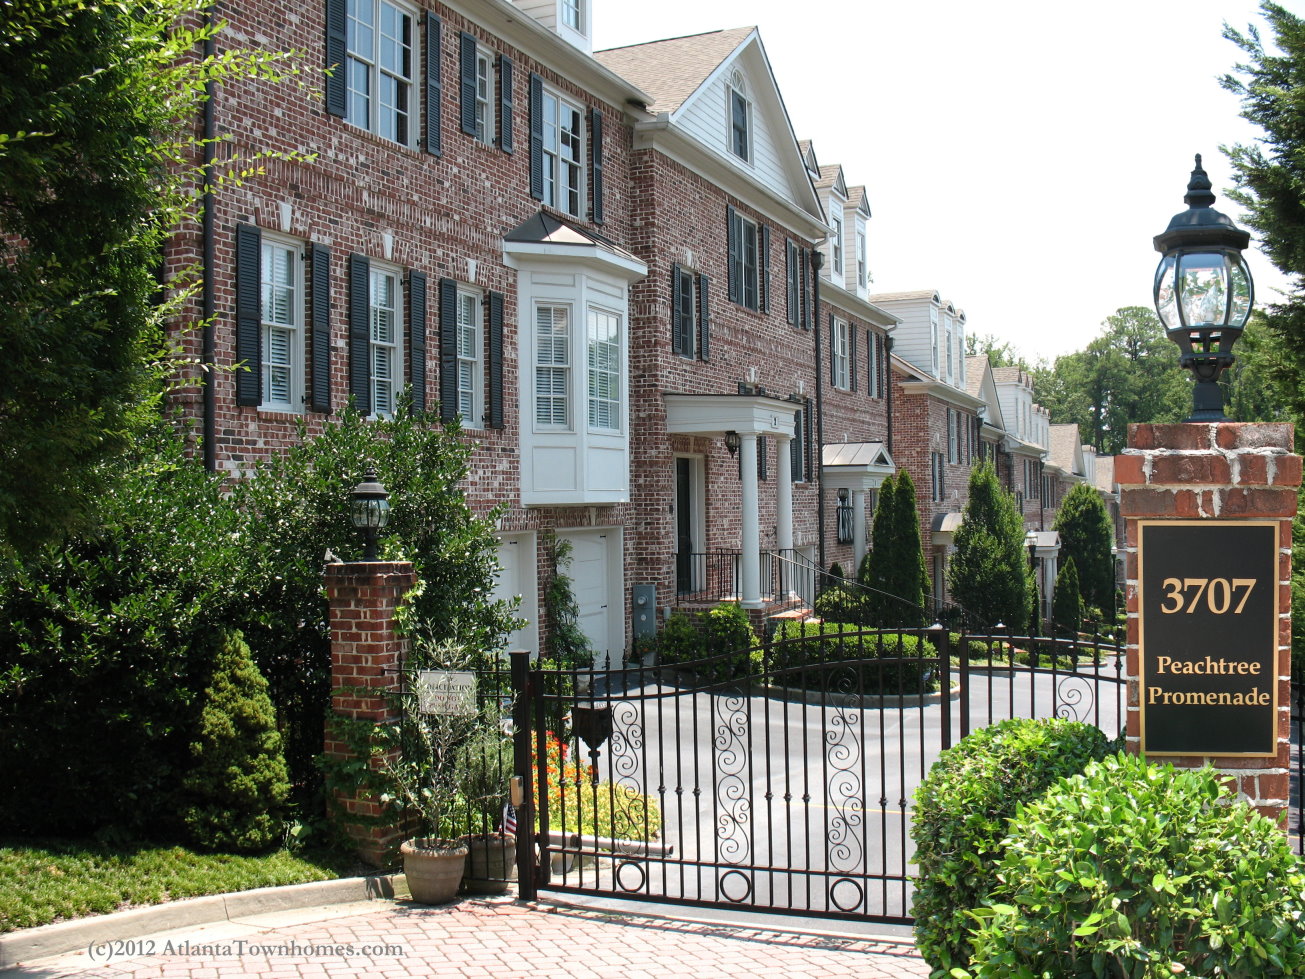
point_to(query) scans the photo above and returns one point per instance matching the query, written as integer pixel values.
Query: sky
(1018, 155)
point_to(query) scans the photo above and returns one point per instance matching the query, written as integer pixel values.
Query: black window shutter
(804, 297)
(596, 166)
(448, 350)
(360, 334)
(811, 440)
(763, 472)
(505, 104)
(790, 274)
(496, 360)
(536, 137)
(319, 259)
(337, 41)
(763, 278)
(249, 297)
(434, 85)
(704, 316)
(885, 375)
(677, 309)
(467, 93)
(417, 338)
(733, 287)
(851, 356)
(871, 363)
(796, 448)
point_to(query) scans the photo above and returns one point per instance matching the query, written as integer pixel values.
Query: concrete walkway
(494, 937)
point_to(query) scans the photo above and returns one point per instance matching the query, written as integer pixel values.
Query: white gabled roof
(686, 77)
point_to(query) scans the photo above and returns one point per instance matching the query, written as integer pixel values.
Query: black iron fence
(775, 779)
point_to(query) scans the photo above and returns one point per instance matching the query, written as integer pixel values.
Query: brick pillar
(1222, 473)
(365, 653)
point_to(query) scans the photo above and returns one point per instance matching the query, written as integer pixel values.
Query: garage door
(516, 558)
(597, 583)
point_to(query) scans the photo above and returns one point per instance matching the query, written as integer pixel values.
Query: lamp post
(369, 511)
(1203, 292)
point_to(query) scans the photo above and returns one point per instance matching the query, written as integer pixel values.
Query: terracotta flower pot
(433, 869)
(491, 862)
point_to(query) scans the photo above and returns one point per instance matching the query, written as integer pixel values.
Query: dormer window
(837, 243)
(861, 270)
(740, 113)
(571, 15)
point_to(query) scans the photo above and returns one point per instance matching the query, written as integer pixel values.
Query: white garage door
(597, 583)
(516, 558)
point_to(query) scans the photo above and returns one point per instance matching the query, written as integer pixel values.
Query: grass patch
(43, 881)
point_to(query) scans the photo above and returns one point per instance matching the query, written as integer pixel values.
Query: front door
(684, 527)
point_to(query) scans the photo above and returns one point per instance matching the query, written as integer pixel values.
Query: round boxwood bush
(1132, 869)
(961, 817)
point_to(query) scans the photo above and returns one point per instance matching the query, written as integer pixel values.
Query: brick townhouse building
(644, 299)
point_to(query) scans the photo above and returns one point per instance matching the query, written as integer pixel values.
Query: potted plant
(484, 768)
(421, 775)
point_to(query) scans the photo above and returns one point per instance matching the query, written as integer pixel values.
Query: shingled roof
(671, 70)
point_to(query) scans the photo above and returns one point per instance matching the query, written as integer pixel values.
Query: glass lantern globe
(1203, 292)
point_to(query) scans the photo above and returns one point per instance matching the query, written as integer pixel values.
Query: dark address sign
(1208, 608)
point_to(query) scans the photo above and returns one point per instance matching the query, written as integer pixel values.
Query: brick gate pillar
(366, 657)
(1221, 475)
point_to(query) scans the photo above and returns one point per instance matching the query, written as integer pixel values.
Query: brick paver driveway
(503, 941)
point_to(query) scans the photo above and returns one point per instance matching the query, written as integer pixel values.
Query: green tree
(989, 573)
(1000, 353)
(1270, 177)
(1127, 374)
(95, 132)
(1066, 602)
(876, 568)
(238, 784)
(1086, 538)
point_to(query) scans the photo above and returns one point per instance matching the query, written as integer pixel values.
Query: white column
(750, 543)
(784, 494)
(858, 529)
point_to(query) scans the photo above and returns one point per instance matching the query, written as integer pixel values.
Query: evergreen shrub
(238, 784)
(1132, 869)
(801, 649)
(720, 646)
(960, 820)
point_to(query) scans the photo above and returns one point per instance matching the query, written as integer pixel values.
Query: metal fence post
(523, 776)
(945, 677)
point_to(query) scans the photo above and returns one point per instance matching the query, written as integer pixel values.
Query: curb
(72, 936)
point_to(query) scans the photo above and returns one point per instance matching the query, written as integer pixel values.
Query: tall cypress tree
(1086, 537)
(909, 580)
(1066, 602)
(989, 573)
(876, 567)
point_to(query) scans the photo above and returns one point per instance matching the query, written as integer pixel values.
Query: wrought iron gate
(780, 780)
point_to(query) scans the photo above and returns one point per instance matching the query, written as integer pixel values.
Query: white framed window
(739, 107)
(842, 369)
(837, 242)
(572, 15)
(470, 371)
(281, 284)
(862, 271)
(744, 262)
(380, 39)
(484, 96)
(562, 159)
(552, 366)
(933, 338)
(953, 436)
(604, 357)
(385, 302)
(950, 365)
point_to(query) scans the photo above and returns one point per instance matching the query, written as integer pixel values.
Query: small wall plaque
(448, 693)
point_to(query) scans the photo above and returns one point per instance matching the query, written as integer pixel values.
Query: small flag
(509, 818)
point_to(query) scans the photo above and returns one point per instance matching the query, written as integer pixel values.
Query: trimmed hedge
(801, 648)
(719, 645)
(961, 813)
(1131, 869)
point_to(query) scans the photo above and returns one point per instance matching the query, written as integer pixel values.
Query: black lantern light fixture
(732, 442)
(1203, 292)
(370, 511)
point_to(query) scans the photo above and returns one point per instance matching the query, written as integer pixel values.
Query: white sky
(1019, 155)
